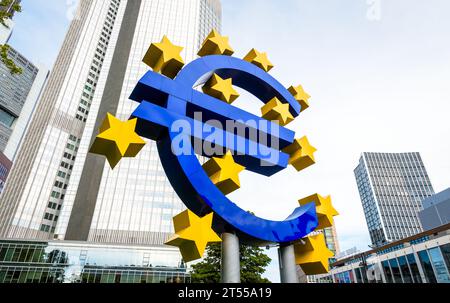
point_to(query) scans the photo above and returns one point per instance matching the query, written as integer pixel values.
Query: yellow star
(221, 89)
(117, 139)
(259, 59)
(164, 57)
(313, 255)
(301, 154)
(324, 209)
(275, 110)
(301, 96)
(192, 234)
(215, 44)
(224, 173)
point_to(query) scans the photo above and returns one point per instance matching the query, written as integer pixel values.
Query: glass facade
(135, 202)
(392, 187)
(35, 192)
(387, 272)
(441, 271)
(446, 253)
(415, 274)
(404, 269)
(395, 271)
(412, 262)
(72, 262)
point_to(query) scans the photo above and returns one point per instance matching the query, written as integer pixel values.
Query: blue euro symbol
(164, 101)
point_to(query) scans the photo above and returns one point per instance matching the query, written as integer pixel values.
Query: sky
(378, 72)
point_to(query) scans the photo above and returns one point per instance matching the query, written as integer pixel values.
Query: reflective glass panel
(426, 266)
(439, 265)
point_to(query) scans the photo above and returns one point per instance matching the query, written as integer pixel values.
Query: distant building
(5, 166)
(422, 258)
(19, 94)
(392, 187)
(436, 210)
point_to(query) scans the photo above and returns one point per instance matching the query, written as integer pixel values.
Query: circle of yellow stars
(118, 139)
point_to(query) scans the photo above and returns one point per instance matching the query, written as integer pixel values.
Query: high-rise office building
(57, 189)
(19, 94)
(392, 187)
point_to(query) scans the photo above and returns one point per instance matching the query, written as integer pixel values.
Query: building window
(426, 266)
(6, 118)
(395, 271)
(405, 270)
(439, 265)
(387, 272)
(414, 268)
(446, 253)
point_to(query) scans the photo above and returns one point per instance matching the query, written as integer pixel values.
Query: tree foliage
(6, 14)
(253, 264)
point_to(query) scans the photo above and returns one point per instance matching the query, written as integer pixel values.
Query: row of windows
(53, 205)
(60, 184)
(57, 195)
(63, 175)
(103, 276)
(66, 165)
(47, 228)
(13, 274)
(434, 264)
(69, 156)
(51, 217)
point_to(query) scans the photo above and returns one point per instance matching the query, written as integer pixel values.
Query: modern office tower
(392, 187)
(436, 210)
(21, 124)
(18, 96)
(56, 189)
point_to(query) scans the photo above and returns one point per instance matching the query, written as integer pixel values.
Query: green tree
(253, 264)
(6, 14)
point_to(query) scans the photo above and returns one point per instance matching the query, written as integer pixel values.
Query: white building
(56, 189)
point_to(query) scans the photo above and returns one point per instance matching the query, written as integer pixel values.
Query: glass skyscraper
(56, 189)
(392, 187)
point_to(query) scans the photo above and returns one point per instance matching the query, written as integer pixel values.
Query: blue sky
(377, 71)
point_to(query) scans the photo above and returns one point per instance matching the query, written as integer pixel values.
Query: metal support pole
(231, 268)
(286, 257)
